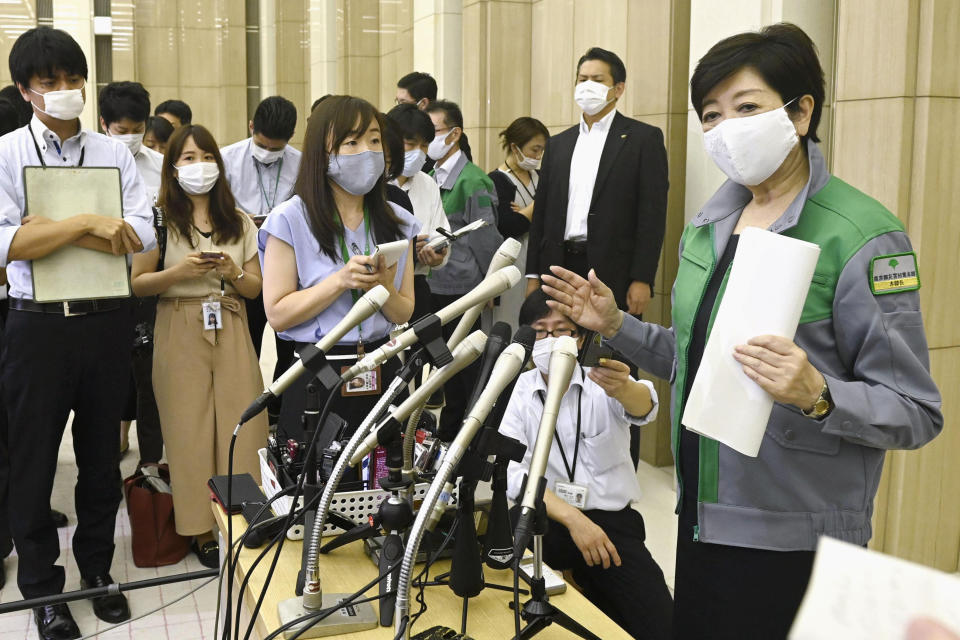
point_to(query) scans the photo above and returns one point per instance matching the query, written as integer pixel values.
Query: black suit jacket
(628, 212)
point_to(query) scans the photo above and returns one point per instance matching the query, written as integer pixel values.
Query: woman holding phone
(205, 370)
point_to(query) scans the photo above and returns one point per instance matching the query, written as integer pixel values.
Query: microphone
(505, 256)
(368, 304)
(491, 286)
(497, 341)
(465, 353)
(525, 336)
(563, 360)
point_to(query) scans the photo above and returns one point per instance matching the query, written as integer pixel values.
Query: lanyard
(520, 182)
(276, 184)
(36, 146)
(571, 470)
(346, 257)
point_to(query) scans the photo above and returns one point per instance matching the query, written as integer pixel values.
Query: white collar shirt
(443, 172)
(603, 463)
(149, 164)
(583, 175)
(18, 149)
(258, 188)
(424, 195)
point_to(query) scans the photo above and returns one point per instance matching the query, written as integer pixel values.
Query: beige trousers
(203, 380)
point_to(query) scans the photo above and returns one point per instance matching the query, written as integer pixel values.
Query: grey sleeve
(650, 346)
(485, 241)
(891, 401)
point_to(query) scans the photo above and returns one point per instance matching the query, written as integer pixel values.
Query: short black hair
(9, 117)
(419, 85)
(393, 150)
(454, 118)
(13, 95)
(119, 100)
(275, 118)
(617, 70)
(534, 307)
(784, 56)
(410, 122)
(177, 108)
(160, 128)
(43, 51)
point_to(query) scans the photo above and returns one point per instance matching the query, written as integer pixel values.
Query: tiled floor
(193, 617)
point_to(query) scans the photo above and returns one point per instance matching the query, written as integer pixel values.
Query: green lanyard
(354, 293)
(276, 184)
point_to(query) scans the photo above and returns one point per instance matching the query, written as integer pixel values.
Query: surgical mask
(412, 162)
(591, 96)
(541, 353)
(356, 173)
(198, 178)
(750, 149)
(438, 149)
(132, 141)
(265, 156)
(62, 105)
(525, 163)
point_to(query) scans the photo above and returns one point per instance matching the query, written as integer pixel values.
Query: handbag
(154, 538)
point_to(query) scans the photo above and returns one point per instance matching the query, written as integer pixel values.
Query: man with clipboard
(64, 356)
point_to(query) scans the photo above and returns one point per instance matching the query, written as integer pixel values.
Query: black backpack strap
(159, 223)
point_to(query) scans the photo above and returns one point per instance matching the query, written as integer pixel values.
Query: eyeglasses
(556, 333)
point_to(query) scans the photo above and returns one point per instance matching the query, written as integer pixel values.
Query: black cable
(421, 599)
(516, 596)
(296, 495)
(228, 614)
(263, 554)
(402, 629)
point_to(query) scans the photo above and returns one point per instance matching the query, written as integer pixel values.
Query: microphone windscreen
(525, 335)
(500, 330)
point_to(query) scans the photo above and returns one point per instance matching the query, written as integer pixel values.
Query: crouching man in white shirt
(591, 479)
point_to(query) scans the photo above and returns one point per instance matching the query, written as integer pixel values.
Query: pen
(356, 251)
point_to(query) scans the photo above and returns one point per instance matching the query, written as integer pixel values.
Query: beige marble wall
(19, 16)
(438, 44)
(194, 50)
(293, 60)
(76, 18)
(396, 47)
(123, 45)
(898, 104)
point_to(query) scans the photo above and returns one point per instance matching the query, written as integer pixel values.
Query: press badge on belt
(572, 493)
(212, 320)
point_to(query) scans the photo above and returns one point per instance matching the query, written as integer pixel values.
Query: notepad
(75, 273)
(858, 594)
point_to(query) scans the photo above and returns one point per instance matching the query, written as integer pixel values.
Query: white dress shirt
(583, 175)
(424, 195)
(603, 464)
(441, 174)
(149, 164)
(258, 187)
(18, 149)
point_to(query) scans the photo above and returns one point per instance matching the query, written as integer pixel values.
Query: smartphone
(594, 349)
(211, 255)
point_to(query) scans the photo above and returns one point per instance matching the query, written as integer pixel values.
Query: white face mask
(525, 163)
(750, 149)
(265, 156)
(62, 105)
(591, 96)
(438, 149)
(133, 141)
(541, 353)
(198, 178)
(412, 162)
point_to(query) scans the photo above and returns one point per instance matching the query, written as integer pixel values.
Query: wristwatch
(822, 406)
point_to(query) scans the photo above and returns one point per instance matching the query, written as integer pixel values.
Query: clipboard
(74, 273)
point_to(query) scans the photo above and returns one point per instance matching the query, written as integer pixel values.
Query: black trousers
(52, 365)
(6, 541)
(730, 593)
(635, 594)
(579, 263)
(257, 322)
(457, 390)
(149, 435)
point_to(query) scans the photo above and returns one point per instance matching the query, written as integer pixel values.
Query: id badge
(212, 320)
(572, 493)
(365, 384)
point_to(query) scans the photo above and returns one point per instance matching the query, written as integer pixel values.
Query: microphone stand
(537, 611)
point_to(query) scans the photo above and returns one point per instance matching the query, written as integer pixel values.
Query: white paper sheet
(857, 594)
(765, 293)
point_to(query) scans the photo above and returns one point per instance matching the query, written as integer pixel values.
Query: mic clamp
(429, 332)
(532, 521)
(315, 361)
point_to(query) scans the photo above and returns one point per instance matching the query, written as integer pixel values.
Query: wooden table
(348, 568)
